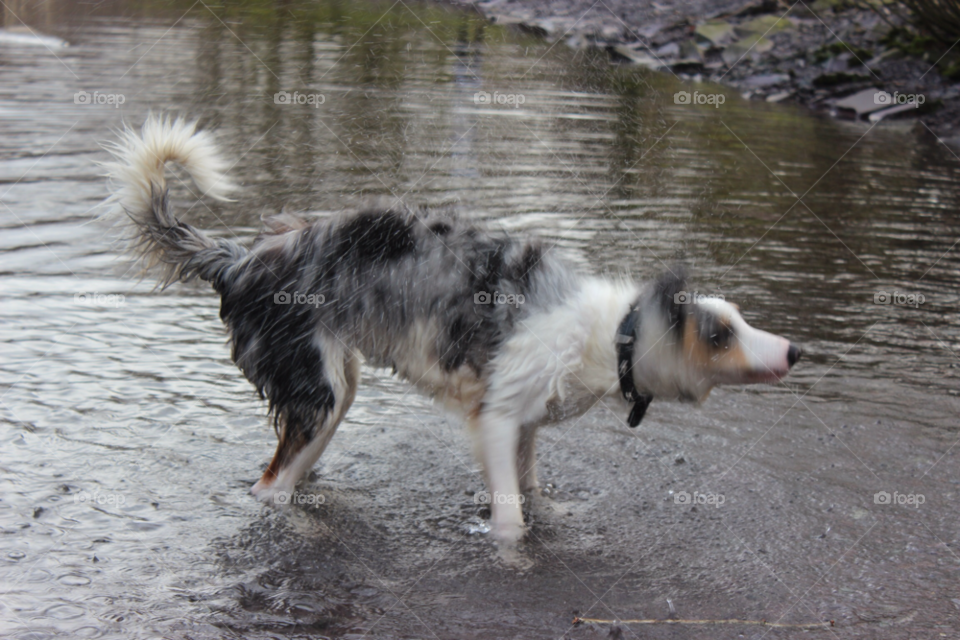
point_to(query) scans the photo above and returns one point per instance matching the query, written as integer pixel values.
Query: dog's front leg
(527, 460)
(498, 438)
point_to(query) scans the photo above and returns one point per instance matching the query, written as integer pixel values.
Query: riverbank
(841, 60)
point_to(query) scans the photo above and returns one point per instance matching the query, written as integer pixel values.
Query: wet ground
(128, 440)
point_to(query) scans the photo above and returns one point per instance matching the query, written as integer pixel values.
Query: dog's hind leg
(301, 442)
(498, 438)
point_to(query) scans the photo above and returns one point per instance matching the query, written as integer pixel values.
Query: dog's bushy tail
(177, 250)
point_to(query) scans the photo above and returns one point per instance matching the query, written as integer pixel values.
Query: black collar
(625, 339)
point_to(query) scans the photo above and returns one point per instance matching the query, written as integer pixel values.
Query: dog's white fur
(138, 169)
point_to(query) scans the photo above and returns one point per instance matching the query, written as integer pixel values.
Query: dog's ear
(670, 292)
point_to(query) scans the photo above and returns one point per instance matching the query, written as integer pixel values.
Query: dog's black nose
(793, 354)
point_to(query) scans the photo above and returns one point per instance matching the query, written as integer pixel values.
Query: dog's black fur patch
(375, 237)
(666, 288)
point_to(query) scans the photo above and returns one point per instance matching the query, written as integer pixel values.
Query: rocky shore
(833, 57)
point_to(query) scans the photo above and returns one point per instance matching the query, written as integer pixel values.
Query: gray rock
(651, 30)
(839, 64)
(764, 25)
(690, 52)
(622, 53)
(779, 97)
(716, 32)
(877, 116)
(669, 50)
(765, 80)
(862, 102)
(752, 47)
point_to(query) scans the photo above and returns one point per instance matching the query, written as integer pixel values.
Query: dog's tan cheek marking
(733, 358)
(707, 357)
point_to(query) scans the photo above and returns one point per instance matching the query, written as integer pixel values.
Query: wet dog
(497, 328)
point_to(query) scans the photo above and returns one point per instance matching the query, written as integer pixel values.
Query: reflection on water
(802, 221)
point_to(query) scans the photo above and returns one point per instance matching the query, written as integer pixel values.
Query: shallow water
(128, 440)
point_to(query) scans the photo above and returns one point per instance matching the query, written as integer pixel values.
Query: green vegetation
(927, 47)
(931, 20)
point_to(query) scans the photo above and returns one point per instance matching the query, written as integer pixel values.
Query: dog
(496, 328)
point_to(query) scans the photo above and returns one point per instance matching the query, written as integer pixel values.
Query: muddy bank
(841, 60)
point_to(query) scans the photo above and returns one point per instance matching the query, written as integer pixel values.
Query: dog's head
(687, 343)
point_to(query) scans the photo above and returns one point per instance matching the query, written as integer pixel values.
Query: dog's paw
(507, 534)
(274, 493)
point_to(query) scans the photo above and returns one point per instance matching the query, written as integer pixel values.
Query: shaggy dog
(497, 328)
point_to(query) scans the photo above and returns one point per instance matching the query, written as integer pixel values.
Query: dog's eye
(720, 336)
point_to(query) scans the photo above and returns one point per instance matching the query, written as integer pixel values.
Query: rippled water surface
(129, 441)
